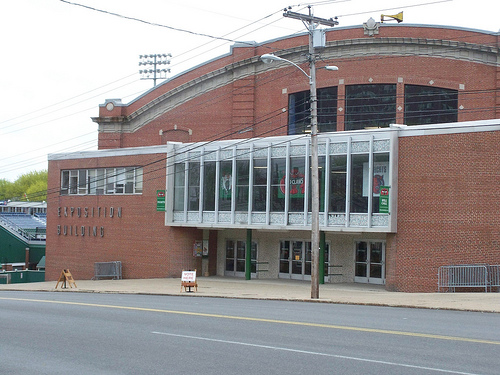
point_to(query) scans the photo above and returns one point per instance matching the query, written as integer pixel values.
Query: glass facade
(370, 106)
(272, 185)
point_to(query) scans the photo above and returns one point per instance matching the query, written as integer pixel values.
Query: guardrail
(468, 276)
(106, 270)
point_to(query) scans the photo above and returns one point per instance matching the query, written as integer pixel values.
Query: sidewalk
(289, 290)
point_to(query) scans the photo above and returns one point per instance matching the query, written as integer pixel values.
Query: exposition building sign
(80, 214)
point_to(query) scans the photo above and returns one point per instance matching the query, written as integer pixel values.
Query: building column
(248, 256)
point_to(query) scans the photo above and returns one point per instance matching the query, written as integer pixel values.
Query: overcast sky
(59, 60)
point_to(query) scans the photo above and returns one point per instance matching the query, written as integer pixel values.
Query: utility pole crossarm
(311, 19)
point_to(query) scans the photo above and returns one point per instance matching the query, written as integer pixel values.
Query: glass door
(296, 260)
(236, 258)
(370, 262)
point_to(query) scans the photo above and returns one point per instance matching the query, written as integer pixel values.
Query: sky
(60, 59)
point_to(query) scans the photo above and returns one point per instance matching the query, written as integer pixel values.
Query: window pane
(298, 112)
(73, 182)
(242, 179)
(194, 186)
(91, 182)
(179, 187)
(380, 177)
(370, 106)
(259, 184)
(138, 180)
(278, 184)
(120, 181)
(225, 185)
(100, 182)
(110, 181)
(338, 179)
(64, 182)
(209, 186)
(82, 178)
(321, 177)
(296, 185)
(299, 119)
(359, 183)
(129, 180)
(327, 109)
(430, 105)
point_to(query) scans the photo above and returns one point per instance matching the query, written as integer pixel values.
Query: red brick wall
(448, 207)
(139, 238)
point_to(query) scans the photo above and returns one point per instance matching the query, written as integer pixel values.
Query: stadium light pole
(267, 59)
(151, 61)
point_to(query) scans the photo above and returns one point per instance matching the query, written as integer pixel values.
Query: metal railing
(106, 270)
(468, 276)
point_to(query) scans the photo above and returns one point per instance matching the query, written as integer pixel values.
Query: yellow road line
(263, 320)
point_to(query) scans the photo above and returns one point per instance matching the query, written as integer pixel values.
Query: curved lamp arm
(268, 58)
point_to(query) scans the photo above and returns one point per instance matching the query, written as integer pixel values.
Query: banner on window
(380, 177)
(296, 184)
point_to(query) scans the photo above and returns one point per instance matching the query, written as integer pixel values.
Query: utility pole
(312, 23)
(152, 61)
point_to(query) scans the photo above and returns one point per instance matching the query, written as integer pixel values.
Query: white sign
(188, 276)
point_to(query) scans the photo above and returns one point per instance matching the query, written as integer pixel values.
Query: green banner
(160, 200)
(383, 202)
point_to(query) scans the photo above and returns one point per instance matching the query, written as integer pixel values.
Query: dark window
(338, 179)
(209, 186)
(370, 106)
(259, 184)
(430, 105)
(299, 119)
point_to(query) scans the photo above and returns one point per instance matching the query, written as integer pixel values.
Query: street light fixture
(269, 58)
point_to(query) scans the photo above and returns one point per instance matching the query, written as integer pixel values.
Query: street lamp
(268, 59)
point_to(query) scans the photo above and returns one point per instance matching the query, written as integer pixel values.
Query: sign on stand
(188, 281)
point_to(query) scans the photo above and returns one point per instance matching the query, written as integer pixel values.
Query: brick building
(228, 143)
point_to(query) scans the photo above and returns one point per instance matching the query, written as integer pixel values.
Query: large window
(359, 183)
(179, 180)
(225, 185)
(299, 117)
(278, 187)
(242, 182)
(194, 186)
(209, 186)
(259, 185)
(338, 179)
(430, 105)
(110, 181)
(370, 106)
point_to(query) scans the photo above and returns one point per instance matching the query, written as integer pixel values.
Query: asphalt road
(80, 333)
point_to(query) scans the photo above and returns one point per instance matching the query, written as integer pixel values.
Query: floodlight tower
(151, 62)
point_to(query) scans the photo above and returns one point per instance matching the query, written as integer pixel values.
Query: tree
(31, 186)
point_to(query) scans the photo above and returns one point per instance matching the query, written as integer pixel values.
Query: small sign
(383, 202)
(160, 200)
(188, 276)
(198, 248)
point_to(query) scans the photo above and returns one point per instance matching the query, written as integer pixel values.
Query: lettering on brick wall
(82, 229)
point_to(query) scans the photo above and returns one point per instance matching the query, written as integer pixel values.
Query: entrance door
(235, 258)
(370, 262)
(295, 260)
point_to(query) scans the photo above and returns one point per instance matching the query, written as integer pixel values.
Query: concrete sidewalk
(289, 290)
